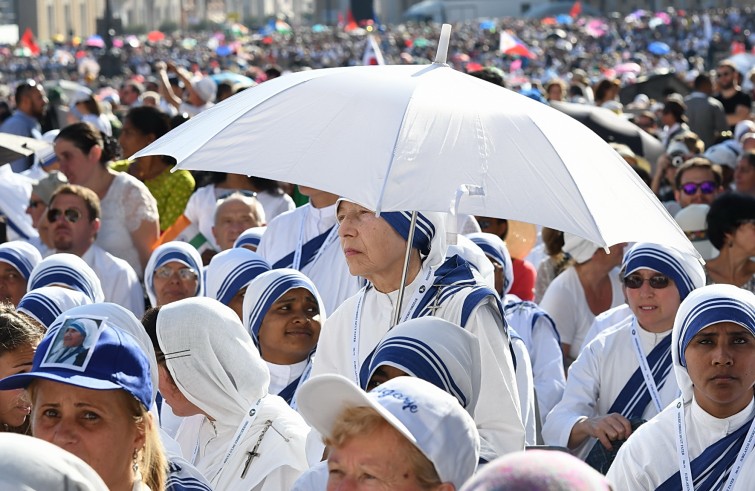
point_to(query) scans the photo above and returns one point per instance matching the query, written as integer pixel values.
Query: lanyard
(246, 423)
(332, 236)
(416, 298)
(303, 378)
(685, 471)
(645, 368)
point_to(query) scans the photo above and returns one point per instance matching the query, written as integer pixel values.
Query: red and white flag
(372, 53)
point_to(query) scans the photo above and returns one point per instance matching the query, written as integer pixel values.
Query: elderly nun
(173, 272)
(17, 260)
(533, 325)
(229, 273)
(67, 270)
(707, 434)
(243, 437)
(449, 288)
(47, 303)
(622, 378)
(283, 312)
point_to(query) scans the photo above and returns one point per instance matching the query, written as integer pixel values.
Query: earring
(137, 474)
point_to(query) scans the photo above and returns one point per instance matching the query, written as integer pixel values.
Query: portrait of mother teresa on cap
(445, 287)
(704, 440)
(72, 343)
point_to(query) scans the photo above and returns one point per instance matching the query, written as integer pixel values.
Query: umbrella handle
(405, 271)
(445, 37)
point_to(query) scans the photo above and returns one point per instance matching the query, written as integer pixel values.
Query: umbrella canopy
(155, 36)
(654, 86)
(613, 128)
(95, 41)
(419, 138)
(13, 147)
(232, 77)
(659, 48)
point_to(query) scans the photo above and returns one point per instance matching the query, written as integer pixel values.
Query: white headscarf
(67, 270)
(437, 351)
(702, 308)
(45, 304)
(32, 464)
(21, 255)
(181, 252)
(230, 271)
(493, 246)
(684, 268)
(250, 237)
(580, 249)
(269, 287)
(211, 357)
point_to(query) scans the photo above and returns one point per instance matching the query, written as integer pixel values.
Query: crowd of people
(204, 330)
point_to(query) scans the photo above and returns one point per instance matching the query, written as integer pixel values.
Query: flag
(185, 231)
(28, 41)
(351, 24)
(511, 45)
(576, 9)
(372, 53)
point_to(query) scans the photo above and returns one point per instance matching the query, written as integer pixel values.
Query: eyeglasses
(165, 273)
(72, 215)
(33, 203)
(706, 187)
(657, 282)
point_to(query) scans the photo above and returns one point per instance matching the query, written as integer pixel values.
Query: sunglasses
(165, 272)
(72, 215)
(706, 187)
(657, 282)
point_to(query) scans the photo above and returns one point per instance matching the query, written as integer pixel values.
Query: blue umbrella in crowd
(658, 48)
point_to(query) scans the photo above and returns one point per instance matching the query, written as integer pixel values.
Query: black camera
(677, 159)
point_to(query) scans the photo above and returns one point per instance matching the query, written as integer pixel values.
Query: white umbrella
(416, 137)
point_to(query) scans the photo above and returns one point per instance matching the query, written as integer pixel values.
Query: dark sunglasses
(72, 215)
(657, 282)
(707, 187)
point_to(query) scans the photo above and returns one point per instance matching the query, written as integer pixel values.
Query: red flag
(576, 9)
(351, 24)
(28, 41)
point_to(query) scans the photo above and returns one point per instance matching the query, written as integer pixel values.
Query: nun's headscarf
(494, 247)
(211, 357)
(67, 270)
(21, 255)
(578, 248)
(437, 351)
(30, 464)
(230, 271)
(685, 269)
(47, 303)
(268, 287)
(250, 237)
(124, 320)
(181, 252)
(702, 308)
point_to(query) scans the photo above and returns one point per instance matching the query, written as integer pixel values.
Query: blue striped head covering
(437, 351)
(423, 233)
(250, 237)
(21, 255)
(268, 287)
(45, 304)
(494, 247)
(230, 271)
(685, 269)
(67, 270)
(178, 251)
(703, 308)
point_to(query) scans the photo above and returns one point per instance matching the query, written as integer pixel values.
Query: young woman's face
(721, 364)
(14, 404)
(75, 164)
(94, 425)
(291, 328)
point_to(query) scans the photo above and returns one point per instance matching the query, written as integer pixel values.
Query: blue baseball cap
(109, 359)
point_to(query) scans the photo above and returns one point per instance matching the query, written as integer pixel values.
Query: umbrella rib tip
(445, 35)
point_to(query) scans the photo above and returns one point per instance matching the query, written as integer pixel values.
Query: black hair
(149, 120)
(25, 88)
(149, 321)
(84, 136)
(17, 330)
(726, 215)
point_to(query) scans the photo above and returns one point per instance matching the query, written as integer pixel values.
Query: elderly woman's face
(375, 461)
(85, 422)
(721, 364)
(174, 281)
(72, 338)
(373, 249)
(14, 405)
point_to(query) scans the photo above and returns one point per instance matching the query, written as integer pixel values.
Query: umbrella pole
(405, 271)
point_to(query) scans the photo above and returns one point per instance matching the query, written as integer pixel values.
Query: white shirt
(282, 375)
(609, 318)
(120, 284)
(329, 272)
(595, 380)
(638, 467)
(566, 303)
(498, 415)
(526, 388)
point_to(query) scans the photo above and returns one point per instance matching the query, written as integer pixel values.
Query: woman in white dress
(704, 440)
